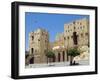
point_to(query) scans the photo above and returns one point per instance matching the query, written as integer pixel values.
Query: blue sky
(53, 23)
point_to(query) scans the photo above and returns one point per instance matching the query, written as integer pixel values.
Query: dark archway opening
(32, 60)
(63, 56)
(58, 57)
(75, 38)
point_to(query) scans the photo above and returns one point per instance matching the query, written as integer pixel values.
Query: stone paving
(56, 64)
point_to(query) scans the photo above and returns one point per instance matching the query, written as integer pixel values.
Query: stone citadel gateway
(75, 34)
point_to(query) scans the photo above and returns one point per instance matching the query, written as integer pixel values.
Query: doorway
(58, 57)
(75, 38)
(32, 60)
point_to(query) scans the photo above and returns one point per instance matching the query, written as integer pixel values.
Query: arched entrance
(63, 55)
(75, 38)
(58, 57)
(32, 60)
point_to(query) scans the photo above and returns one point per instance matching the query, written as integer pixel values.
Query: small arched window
(86, 34)
(38, 39)
(32, 37)
(74, 27)
(64, 38)
(32, 50)
(68, 37)
(81, 34)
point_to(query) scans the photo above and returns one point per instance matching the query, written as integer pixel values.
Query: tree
(72, 53)
(50, 55)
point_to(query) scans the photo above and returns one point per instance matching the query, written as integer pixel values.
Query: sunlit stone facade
(38, 45)
(76, 34)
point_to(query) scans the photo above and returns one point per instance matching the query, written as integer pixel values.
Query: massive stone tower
(76, 33)
(38, 45)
